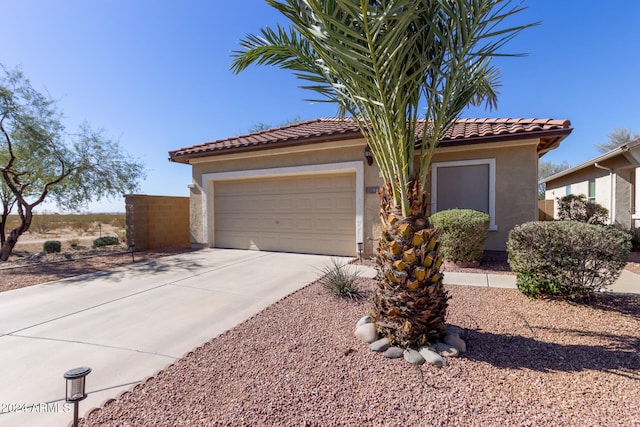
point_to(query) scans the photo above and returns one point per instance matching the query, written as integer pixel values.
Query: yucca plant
(384, 62)
(339, 279)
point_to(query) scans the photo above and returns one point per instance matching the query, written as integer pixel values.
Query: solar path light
(132, 249)
(76, 389)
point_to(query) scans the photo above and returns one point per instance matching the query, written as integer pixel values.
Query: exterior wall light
(76, 389)
(368, 155)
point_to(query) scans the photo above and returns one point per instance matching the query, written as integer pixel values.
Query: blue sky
(155, 74)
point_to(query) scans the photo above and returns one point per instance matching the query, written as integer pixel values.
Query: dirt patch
(27, 269)
(298, 363)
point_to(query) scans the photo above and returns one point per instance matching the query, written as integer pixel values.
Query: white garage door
(307, 214)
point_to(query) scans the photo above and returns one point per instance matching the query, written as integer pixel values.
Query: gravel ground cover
(297, 363)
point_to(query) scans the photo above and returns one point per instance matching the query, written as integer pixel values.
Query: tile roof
(463, 132)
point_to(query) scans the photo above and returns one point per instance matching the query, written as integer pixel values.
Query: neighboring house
(612, 180)
(311, 187)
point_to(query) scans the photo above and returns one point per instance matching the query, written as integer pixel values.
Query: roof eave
(606, 156)
(184, 158)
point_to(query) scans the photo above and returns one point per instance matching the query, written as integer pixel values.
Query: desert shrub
(74, 243)
(339, 279)
(119, 221)
(51, 246)
(462, 233)
(566, 258)
(577, 208)
(122, 235)
(105, 241)
(41, 223)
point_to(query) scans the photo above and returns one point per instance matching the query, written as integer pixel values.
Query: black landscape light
(360, 245)
(76, 389)
(132, 249)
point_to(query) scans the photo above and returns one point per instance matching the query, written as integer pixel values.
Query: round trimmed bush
(51, 246)
(463, 233)
(566, 258)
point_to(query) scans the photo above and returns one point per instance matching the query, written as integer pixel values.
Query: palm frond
(382, 60)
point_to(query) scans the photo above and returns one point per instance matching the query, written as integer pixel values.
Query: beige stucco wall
(516, 181)
(516, 199)
(318, 154)
(616, 188)
(579, 182)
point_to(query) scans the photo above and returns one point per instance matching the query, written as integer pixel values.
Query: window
(468, 184)
(567, 190)
(592, 191)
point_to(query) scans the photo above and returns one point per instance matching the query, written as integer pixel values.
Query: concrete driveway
(129, 322)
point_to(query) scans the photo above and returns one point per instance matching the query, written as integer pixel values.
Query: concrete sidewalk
(627, 283)
(128, 323)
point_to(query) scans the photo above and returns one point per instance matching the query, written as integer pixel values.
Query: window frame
(491, 162)
(591, 198)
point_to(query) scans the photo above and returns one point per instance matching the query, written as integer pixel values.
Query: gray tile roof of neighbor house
(601, 158)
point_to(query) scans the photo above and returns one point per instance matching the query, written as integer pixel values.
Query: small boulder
(367, 333)
(413, 357)
(457, 342)
(432, 357)
(446, 350)
(452, 329)
(380, 345)
(362, 321)
(393, 353)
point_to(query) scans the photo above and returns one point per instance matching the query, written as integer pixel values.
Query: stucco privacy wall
(515, 173)
(155, 222)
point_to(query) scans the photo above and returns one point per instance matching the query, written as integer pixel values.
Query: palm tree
(384, 62)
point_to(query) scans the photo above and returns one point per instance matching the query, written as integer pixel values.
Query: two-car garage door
(306, 214)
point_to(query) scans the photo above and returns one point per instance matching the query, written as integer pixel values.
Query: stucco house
(611, 179)
(311, 187)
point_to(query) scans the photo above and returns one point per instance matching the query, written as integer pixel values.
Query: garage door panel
(309, 214)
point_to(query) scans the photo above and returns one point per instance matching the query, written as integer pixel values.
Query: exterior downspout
(611, 189)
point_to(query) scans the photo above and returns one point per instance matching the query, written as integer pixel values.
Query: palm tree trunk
(410, 302)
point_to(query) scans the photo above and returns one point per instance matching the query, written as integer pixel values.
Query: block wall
(155, 222)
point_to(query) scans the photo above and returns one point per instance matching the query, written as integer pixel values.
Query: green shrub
(577, 208)
(339, 279)
(51, 246)
(462, 233)
(566, 258)
(105, 241)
